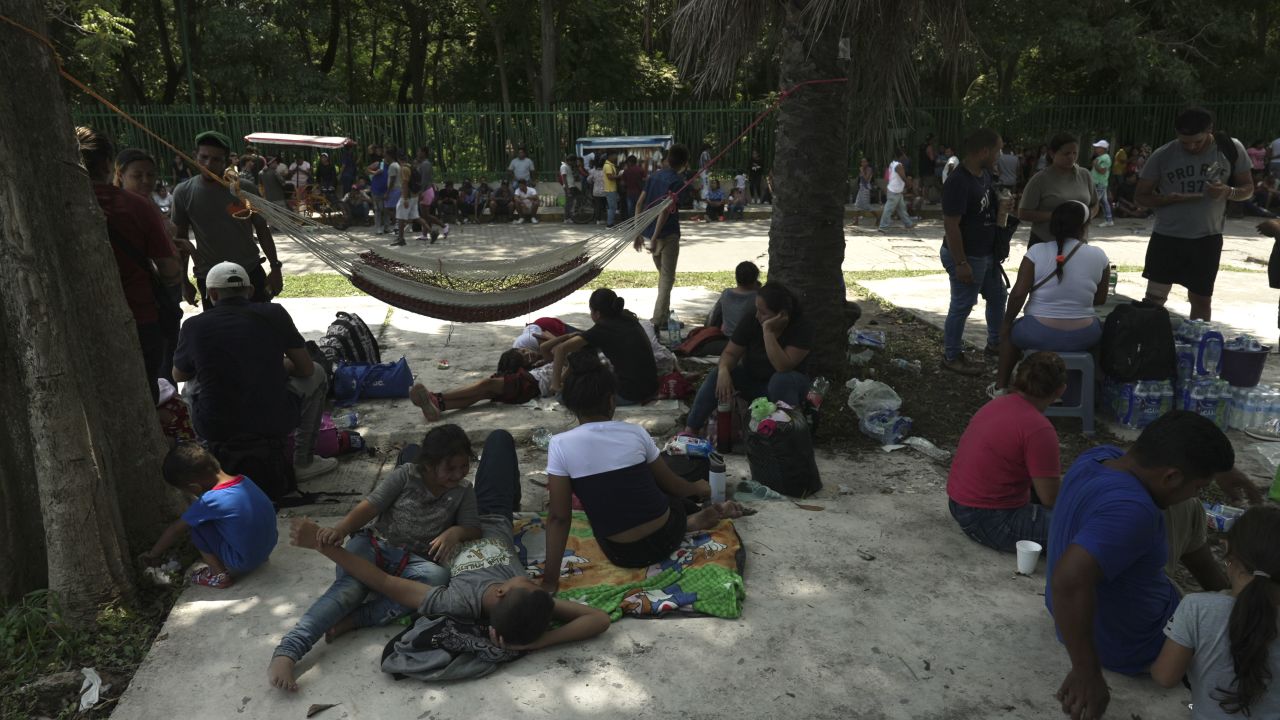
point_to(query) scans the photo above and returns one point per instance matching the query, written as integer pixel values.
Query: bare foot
(730, 509)
(280, 673)
(343, 626)
(423, 398)
(704, 519)
(302, 533)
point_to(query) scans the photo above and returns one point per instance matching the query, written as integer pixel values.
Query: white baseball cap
(1103, 144)
(227, 275)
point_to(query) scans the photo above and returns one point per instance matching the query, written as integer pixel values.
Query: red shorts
(518, 388)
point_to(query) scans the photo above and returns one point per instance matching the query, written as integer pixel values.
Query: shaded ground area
(934, 626)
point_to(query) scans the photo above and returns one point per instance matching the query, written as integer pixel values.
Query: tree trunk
(335, 30)
(806, 234)
(22, 558)
(71, 348)
(499, 51)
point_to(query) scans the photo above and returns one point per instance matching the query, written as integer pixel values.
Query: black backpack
(1137, 343)
(415, 181)
(1227, 146)
(349, 340)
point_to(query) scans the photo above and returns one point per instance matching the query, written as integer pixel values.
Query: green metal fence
(478, 140)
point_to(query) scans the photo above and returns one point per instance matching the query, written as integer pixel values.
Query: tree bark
(335, 30)
(806, 234)
(499, 50)
(71, 347)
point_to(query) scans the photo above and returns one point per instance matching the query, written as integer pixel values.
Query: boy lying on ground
(517, 382)
(232, 522)
(517, 609)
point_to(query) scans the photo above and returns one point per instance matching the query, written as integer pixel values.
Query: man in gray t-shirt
(521, 167)
(224, 227)
(1187, 183)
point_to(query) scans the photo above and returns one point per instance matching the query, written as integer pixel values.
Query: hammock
(458, 289)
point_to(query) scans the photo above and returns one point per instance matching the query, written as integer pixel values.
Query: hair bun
(619, 304)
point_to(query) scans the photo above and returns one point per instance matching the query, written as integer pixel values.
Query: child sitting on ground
(518, 611)
(232, 522)
(737, 204)
(1224, 644)
(418, 515)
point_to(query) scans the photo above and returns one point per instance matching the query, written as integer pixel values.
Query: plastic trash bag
(868, 396)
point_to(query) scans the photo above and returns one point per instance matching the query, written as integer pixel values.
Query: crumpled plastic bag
(869, 396)
(762, 408)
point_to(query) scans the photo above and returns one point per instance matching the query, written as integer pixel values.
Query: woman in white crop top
(1060, 282)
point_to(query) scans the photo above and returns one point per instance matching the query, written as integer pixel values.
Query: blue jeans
(612, 199)
(631, 205)
(1002, 529)
(895, 202)
(1104, 201)
(497, 488)
(789, 387)
(1031, 334)
(986, 282)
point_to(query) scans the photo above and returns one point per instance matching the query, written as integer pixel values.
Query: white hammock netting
(460, 288)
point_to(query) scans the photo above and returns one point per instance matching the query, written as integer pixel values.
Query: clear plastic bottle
(542, 438)
(1252, 409)
(817, 390)
(912, 366)
(1199, 398)
(1166, 397)
(673, 330)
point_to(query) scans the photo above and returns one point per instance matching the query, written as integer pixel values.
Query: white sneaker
(446, 231)
(1109, 223)
(318, 466)
(534, 220)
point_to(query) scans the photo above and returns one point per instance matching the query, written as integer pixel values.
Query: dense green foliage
(447, 51)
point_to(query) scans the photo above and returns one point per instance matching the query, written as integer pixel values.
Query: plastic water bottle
(1166, 397)
(1186, 361)
(716, 478)
(542, 438)
(1115, 279)
(1220, 407)
(1151, 403)
(346, 421)
(1199, 398)
(817, 390)
(1209, 361)
(1252, 408)
(673, 330)
(912, 366)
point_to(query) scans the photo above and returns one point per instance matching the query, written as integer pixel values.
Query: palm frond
(710, 39)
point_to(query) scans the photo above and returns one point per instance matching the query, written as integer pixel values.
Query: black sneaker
(991, 351)
(398, 242)
(960, 364)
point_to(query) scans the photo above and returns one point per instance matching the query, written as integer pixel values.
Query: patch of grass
(36, 639)
(311, 285)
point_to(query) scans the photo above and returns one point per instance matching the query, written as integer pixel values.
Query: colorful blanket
(702, 577)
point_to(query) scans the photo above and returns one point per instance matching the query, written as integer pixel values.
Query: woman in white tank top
(1060, 283)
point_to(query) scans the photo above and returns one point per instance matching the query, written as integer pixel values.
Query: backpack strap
(1074, 250)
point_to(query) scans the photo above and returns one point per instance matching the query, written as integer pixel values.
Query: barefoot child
(635, 503)
(517, 610)
(1225, 643)
(232, 522)
(420, 512)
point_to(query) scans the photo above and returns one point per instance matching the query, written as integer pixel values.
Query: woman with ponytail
(1224, 644)
(635, 503)
(617, 333)
(1009, 449)
(1060, 282)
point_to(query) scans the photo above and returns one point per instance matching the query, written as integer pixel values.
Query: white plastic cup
(1028, 555)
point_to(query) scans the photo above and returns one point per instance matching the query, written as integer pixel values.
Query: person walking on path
(1187, 183)
(968, 251)
(663, 235)
(894, 201)
(1100, 171)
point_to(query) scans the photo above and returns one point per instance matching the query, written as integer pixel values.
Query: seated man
(733, 304)
(447, 202)
(356, 203)
(526, 200)
(500, 201)
(518, 611)
(253, 384)
(737, 204)
(232, 522)
(1126, 205)
(484, 194)
(715, 202)
(467, 201)
(1106, 586)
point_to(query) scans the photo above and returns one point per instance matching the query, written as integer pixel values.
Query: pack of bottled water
(1253, 407)
(1138, 404)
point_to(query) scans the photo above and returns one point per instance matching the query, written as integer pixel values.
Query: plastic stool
(1082, 363)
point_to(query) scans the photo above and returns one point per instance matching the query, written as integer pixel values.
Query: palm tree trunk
(806, 235)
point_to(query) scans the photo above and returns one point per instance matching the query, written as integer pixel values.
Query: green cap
(213, 137)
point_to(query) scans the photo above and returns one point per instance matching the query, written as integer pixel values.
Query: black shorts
(655, 548)
(1189, 262)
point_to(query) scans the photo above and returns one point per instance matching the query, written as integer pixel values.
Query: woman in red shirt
(1008, 449)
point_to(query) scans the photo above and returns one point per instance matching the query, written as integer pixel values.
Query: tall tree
(806, 232)
(82, 439)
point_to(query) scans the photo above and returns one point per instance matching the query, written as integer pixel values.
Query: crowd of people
(1116, 524)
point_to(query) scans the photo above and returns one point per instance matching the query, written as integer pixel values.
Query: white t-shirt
(527, 338)
(1072, 298)
(599, 447)
(521, 168)
(952, 164)
(597, 182)
(525, 193)
(566, 172)
(896, 183)
(542, 374)
(393, 178)
(740, 181)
